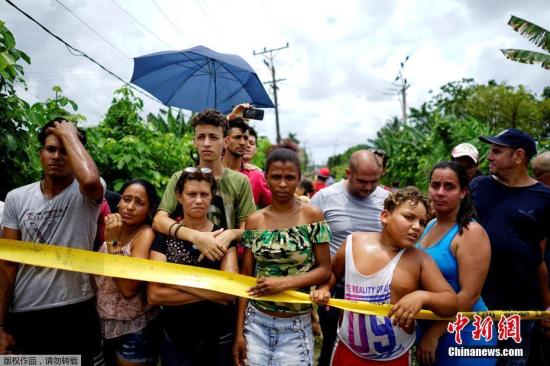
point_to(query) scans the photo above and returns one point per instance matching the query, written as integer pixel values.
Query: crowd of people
(477, 242)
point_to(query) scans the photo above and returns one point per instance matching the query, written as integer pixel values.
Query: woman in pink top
(130, 337)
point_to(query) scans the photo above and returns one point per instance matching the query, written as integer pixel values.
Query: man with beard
(236, 142)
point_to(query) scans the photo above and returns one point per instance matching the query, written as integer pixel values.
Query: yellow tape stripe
(79, 260)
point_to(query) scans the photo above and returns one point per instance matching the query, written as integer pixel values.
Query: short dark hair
(210, 117)
(252, 132)
(283, 152)
(401, 196)
(186, 177)
(44, 131)
(239, 123)
(307, 185)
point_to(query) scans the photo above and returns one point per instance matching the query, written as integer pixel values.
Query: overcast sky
(339, 68)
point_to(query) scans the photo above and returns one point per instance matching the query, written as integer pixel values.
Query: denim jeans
(275, 341)
(138, 347)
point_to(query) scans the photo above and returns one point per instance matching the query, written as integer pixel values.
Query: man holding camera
(236, 143)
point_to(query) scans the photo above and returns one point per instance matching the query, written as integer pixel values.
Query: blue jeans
(139, 347)
(274, 341)
(527, 327)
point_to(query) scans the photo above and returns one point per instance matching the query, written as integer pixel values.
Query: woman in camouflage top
(287, 244)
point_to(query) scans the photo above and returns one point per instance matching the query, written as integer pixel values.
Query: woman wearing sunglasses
(287, 243)
(197, 324)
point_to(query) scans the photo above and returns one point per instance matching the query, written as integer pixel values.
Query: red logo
(483, 328)
(509, 327)
(457, 326)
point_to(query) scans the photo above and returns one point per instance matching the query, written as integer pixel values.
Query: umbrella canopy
(199, 78)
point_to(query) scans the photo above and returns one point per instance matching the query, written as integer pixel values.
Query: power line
(403, 86)
(205, 13)
(80, 53)
(168, 19)
(141, 24)
(93, 30)
(271, 66)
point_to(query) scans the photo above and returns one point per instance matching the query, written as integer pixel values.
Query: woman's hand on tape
(268, 286)
(320, 296)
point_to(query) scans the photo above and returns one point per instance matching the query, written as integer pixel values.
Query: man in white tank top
(386, 268)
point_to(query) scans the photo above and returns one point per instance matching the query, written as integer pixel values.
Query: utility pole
(268, 55)
(401, 83)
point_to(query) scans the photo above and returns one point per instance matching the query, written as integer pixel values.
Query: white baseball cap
(465, 149)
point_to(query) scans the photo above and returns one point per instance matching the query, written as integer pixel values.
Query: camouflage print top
(285, 252)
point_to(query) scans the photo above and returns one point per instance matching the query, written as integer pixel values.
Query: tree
(535, 34)
(460, 112)
(168, 122)
(263, 145)
(124, 146)
(19, 121)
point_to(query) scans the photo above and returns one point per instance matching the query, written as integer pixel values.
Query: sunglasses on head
(379, 152)
(193, 172)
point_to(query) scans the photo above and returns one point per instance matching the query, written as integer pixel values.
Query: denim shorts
(138, 347)
(274, 341)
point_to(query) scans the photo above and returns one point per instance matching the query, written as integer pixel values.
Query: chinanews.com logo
(484, 352)
(508, 327)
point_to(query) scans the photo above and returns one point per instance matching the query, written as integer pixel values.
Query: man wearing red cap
(321, 182)
(514, 209)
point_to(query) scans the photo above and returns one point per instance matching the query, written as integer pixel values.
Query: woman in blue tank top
(461, 249)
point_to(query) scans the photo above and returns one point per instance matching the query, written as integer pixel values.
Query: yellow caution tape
(85, 261)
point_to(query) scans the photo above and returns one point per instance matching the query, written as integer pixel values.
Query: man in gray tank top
(351, 205)
(44, 310)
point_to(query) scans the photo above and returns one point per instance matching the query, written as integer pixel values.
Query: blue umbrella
(199, 78)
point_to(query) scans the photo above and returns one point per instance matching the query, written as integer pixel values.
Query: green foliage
(21, 122)
(124, 146)
(338, 163)
(460, 112)
(168, 122)
(535, 34)
(263, 144)
(11, 73)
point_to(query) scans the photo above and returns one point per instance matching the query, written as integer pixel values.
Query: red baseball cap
(324, 172)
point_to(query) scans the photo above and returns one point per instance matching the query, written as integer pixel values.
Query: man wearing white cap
(467, 155)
